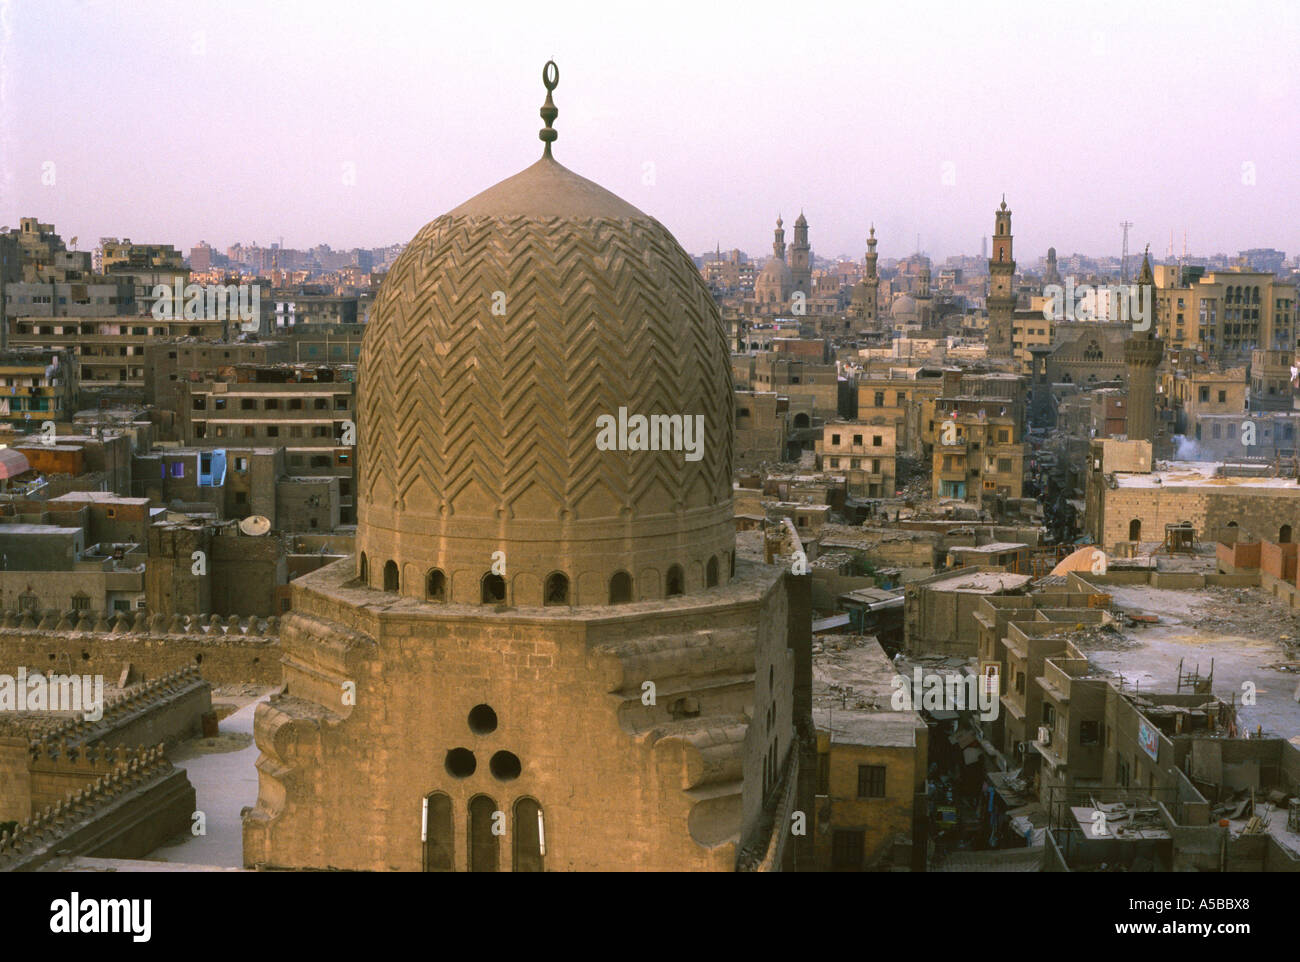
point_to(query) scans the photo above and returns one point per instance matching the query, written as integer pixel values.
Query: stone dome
(774, 282)
(903, 304)
(503, 337)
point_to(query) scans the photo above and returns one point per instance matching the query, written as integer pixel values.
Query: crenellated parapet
(117, 709)
(130, 770)
(138, 623)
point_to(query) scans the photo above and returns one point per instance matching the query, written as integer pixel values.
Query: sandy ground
(225, 780)
(1241, 657)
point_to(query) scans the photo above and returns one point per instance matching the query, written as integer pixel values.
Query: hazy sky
(178, 121)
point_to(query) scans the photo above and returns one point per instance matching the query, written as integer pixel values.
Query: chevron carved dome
(502, 346)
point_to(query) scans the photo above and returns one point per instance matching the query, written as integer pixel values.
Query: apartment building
(37, 385)
(864, 452)
(308, 411)
(980, 452)
(1225, 313)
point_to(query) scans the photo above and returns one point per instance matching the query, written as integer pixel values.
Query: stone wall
(124, 814)
(228, 651)
(624, 781)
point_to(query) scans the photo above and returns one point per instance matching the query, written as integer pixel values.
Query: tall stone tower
(544, 654)
(1051, 273)
(774, 284)
(1002, 271)
(1142, 354)
(801, 258)
(867, 291)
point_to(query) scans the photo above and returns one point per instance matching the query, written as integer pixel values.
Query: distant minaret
(866, 292)
(872, 280)
(924, 312)
(1142, 353)
(1002, 270)
(801, 257)
(778, 240)
(1052, 274)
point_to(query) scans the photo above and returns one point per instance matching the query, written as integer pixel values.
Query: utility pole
(1123, 260)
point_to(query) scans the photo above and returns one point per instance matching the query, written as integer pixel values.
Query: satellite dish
(255, 525)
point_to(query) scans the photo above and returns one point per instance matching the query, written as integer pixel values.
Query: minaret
(1002, 270)
(923, 309)
(1052, 273)
(778, 242)
(801, 257)
(871, 283)
(1142, 353)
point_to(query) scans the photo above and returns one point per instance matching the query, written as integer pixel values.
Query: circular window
(482, 720)
(505, 766)
(460, 763)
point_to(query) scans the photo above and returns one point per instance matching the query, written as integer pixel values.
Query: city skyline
(917, 140)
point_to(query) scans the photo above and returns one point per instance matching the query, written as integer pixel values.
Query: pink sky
(233, 121)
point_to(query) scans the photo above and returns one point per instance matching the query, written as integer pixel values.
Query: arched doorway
(1135, 529)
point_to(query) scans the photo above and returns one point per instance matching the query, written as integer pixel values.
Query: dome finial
(550, 80)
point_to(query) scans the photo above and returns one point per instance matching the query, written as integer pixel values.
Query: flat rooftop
(994, 547)
(1199, 474)
(982, 582)
(853, 690)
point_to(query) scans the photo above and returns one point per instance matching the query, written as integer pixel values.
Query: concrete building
(980, 453)
(871, 760)
(1130, 500)
(1225, 313)
(37, 385)
(865, 452)
(307, 410)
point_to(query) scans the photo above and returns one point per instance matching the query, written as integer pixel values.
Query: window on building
(529, 837)
(835, 439)
(1223, 396)
(248, 404)
(177, 469)
(492, 589)
(484, 843)
(847, 847)
(877, 440)
(557, 589)
(435, 586)
(272, 430)
(241, 497)
(81, 602)
(620, 588)
(871, 781)
(1089, 733)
